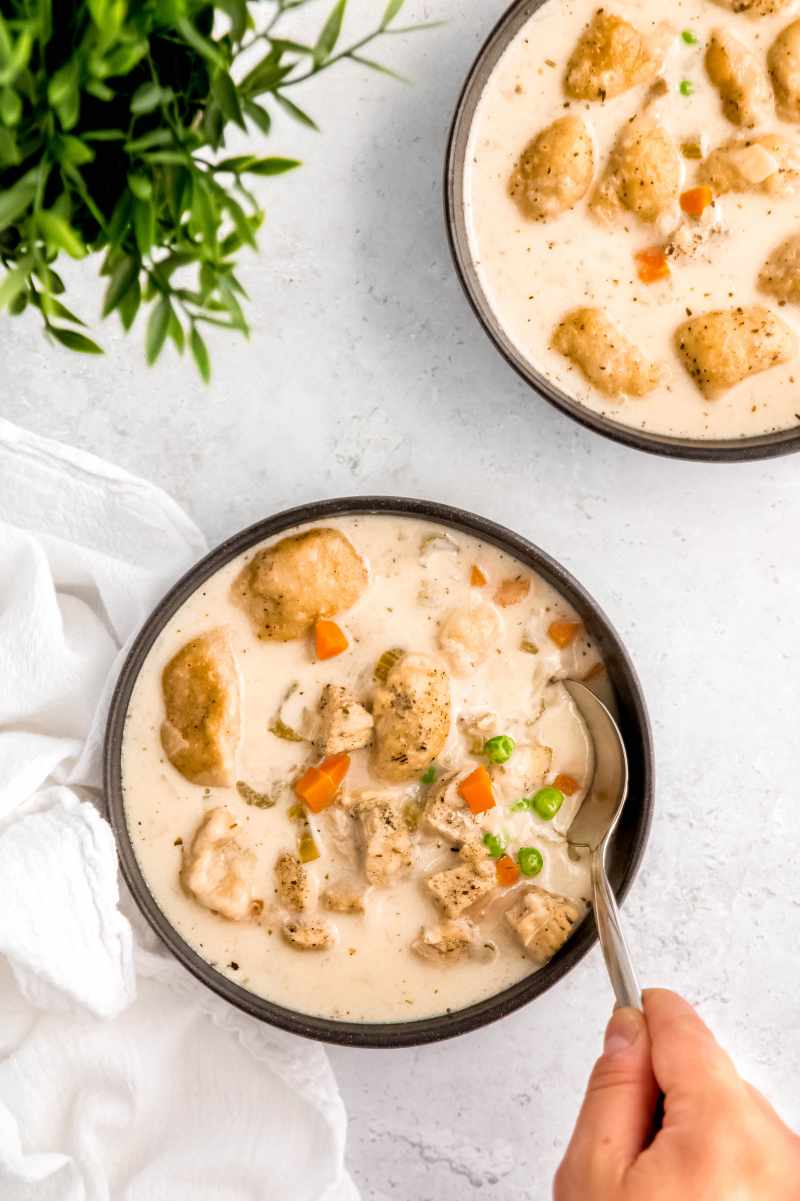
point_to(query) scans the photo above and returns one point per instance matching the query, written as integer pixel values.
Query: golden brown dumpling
(737, 74)
(554, 170)
(201, 729)
(412, 718)
(643, 173)
(285, 588)
(780, 275)
(783, 60)
(605, 356)
(755, 8)
(722, 348)
(767, 163)
(611, 56)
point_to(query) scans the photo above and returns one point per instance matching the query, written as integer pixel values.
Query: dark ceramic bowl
(629, 840)
(764, 446)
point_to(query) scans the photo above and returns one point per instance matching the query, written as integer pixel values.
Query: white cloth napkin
(121, 1077)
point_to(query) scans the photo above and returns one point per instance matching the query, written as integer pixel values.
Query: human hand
(719, 1139)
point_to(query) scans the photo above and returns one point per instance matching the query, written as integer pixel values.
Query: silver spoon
(592, 828)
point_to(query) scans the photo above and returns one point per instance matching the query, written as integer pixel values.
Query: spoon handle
(615, 950)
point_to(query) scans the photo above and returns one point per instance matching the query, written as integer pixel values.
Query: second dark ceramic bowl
(764, 446)
(629, 840)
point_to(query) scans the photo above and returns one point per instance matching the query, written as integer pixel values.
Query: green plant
(112, 117)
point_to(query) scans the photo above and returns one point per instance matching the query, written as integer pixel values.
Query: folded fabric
(121, 1077)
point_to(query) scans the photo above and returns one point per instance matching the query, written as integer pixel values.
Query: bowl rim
(421, 1030)
(716, 450)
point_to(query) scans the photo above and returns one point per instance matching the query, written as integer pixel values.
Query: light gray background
(367, 373)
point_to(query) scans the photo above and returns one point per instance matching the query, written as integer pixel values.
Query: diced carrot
(477, 791)
(330, 639)
(563, 632)
(695, 202)
(566, 784)
(318, 786)
(476, 577)
(506, 871)
(651, 264)
(512, 591)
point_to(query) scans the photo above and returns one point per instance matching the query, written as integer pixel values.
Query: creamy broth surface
(532, 272)
(418, 572)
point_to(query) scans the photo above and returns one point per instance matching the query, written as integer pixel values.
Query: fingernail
(622, 1031)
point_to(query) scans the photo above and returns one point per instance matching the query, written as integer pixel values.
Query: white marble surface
(367, 373)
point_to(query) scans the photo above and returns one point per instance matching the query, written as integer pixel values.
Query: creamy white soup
(349, 765)
(645, 255)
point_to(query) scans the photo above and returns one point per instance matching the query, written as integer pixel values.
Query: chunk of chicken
(543, 921)
(783, 60)
(554, 170)
(388, 847)
(344, 725)
(780, 275)
(611, 56)
(412, 718)
(447, 813)
(768, 163)
(285, 588)
(737, 74)
(721, 348)
(345, 896)
(202, 725)
(605, 356)
(469, 635)
(644, 171)
(755, 8)
(309, 936)
(293, 882)
(446, 943)
(217, 871)
(525, 772)
(458, 888)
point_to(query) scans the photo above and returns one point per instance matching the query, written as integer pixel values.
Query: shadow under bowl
(629, 841)
(719, 450)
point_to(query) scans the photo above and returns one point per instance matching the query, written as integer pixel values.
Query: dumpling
(287, 587)
(755, 8)
(603, 353)
(780, 275)
(217, 870)
(554, 170)
(783, 60)
(467, 636)
(611, 56)
(768, 163)
(201, 729)
(643, 173)
(412, 718)
(722, 348)
(737, 74)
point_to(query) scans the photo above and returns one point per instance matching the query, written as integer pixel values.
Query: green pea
(499, 749)
(495, 844)
(429, 776)
(530, 861)
(547, 802)
(689, 38)
(686, 87)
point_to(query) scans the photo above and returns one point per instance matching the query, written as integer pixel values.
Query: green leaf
(10, 106)
(157, 329)
(144, 224)
(391, 11)
(285, 46)
(58, 232)
(157, 137)
(226, 96)
(73, 150)
(103, 135)
(376, 66)
(14, 202)
(175, 158)
(326, 42)
(141, 186)
(272, 166)
(74, 341)
(129, 305)
(240, 219)
(63, 93)
(148, 97)
(265, 76)
(54, 308)
(101, 90)
(176, 332)
(19, 304)
(200, 354)
(204, 48)
(295, 111)
(237, 12)
(120, 218)
(258, 115)
(236, 164)
(12, 284)
(9, 150)
(125, 275)
(204, 220)
(54, 283)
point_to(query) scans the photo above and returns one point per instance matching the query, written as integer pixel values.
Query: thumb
(616, 1118)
